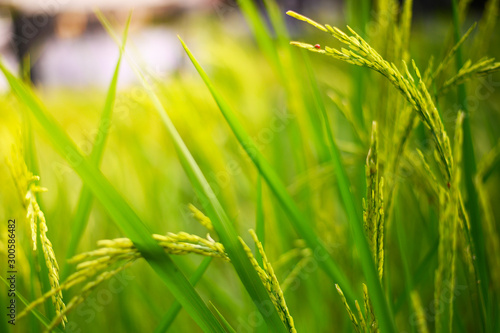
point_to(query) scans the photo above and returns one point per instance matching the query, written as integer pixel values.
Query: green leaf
(300, 223)
(226, 324)
(175, 308)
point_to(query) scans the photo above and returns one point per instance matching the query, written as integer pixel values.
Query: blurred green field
(277, 92)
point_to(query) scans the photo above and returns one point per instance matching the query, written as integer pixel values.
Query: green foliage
(272, 136)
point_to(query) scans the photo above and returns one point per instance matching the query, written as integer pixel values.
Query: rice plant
(347, 151)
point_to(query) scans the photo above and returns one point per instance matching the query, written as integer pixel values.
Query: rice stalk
(359, 323)
(36, 216)
(23, 179)
(268, 278)
(85, 271)
(360, 53)
(426, 170)
(367, 263)
(298, 252)
(405, 123)
(483, 67)
(294, 273)
(400, 138)
(178, 244)
(362, 322)
(449, 56)
(439, 275)
(373, 216)
(419, 312)
(202, 218)
(123, 249)
(85, 291)
(26, 183)
(371, 321)
(349, 311)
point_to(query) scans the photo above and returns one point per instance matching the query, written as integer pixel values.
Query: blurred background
(62, 37)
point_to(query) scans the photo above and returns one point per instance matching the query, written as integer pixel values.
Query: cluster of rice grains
(360, 53)
(115, 255)
(373, 218)
(27, 188)
(268, 278)
(112, 256)
(359, 322)
(415, 90)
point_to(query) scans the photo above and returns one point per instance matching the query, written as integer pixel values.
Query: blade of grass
(43, 273)
(213, 207)
(298, 220)
(226, 324)
(85, 200)
(122, 214)
(175, 308)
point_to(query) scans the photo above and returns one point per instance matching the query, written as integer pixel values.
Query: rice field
(298, 172)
